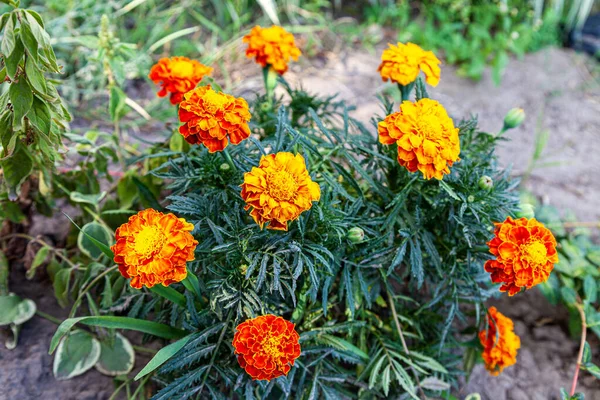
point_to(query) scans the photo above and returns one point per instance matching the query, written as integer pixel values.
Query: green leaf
(9, 38)
(31, 44)
(61, 284)
(116, 356)
(35, 76)
(90, 235)
(39, 116)
(592, 369)
(433, 383)
(140, 325)
(38, 260)
(169, 294)
(93, 199)
(590, 288)
(102, 246)
(162, 356)
(16, 169)
(343, 345)
(587, 354)
(4, 272)
(12, 62)
(21, 98)
(8, 305)
(127, 191)
(192, 284)
(76, 354)
(6, 132)
(449, 190)
(116, 103)
(569, 295)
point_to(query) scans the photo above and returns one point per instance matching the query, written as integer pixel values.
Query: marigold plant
(177, 76)
(525, 253)
(213, 118)
(402, 63)
(272, 47)
(279, 190)
(426, 137)
(266, 346)
(500, 343)
(154, 248)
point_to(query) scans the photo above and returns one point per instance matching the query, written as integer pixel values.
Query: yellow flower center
(536, 252)
(271, 347)
(214, 101)
(182, 69)
(282, 185)
(149, 241)
(429, 126)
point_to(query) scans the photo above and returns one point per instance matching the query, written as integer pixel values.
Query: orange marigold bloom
(426, 137)
(267, 346)
(279, 190)
(525, 253)
(402, 64)
(211, 118)
(500, 343)
(153, 248)
(272, 46)
(177, 75)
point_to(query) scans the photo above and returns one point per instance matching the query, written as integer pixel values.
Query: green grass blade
(162, 356)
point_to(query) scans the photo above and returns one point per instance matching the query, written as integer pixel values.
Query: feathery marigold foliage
(177, 76)
(213, 118)
(267, 346)
(402, 63)
(500, 343)
(153, 248)
(272, 47)
(525, 252)
(279, 190)
(426, 137)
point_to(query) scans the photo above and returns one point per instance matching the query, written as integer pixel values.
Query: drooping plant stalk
(581, 347)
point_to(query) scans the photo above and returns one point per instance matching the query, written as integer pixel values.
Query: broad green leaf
(8, 37)
(590, 288)
(38, 260)
(592, 369)
(162, 356)
(6, 131)
(21, 98)
(35, 76)
(16, 169)
(169, 294)
(31, 44)
(127, 191)
(116, 103)
(8, 305)
(140, 325)
(102, 246)
(569, 295)
(12, 62)
(587, 353)
(4, 272)
(25, 311)
(116, 356)
(76, 354)
(99, 234)
(61, 283)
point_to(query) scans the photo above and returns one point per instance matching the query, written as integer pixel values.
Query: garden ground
(558, 93)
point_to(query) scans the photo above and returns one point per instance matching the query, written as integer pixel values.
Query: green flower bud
(225, 167)
(514, 118)
(265, 107)
(243, 269)
(471, 198)
(527, 211)
(356, 235)
(485, 183)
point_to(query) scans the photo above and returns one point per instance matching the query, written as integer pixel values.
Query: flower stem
(581, 347)
(270, 79)
(227, 157)
(406, 90)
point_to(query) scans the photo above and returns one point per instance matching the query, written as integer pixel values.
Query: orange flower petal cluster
(500, 343)
(213, 118)
(267, 346)
(153, 248)
(402, 64)
(426, 137)
(272, 46)
(279, 190)
(177, 75)
(525, 253)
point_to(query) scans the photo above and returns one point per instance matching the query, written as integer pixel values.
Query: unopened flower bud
(485, 183)
(471, 198)
(356, 235)
(224, 167)
(514, 118)
(243, 269)
(527, 211)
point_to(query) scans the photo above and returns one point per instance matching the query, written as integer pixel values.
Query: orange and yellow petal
(279, 190)
(402, 63)
(273, 47)
(500, 343)
(177, 76)
(153, 248)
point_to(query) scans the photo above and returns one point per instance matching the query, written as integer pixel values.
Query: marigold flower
(525, 253)
(211, 118)
(426, 137)
(153, 248)
(272, 46)
(267, 346)
(500, 343)
(177, 75)
(279, 190)
(402, 64)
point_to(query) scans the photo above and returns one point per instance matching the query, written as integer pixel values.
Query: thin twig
(399, 328)
(581, 347)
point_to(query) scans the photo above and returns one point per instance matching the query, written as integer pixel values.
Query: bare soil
(558, 93)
